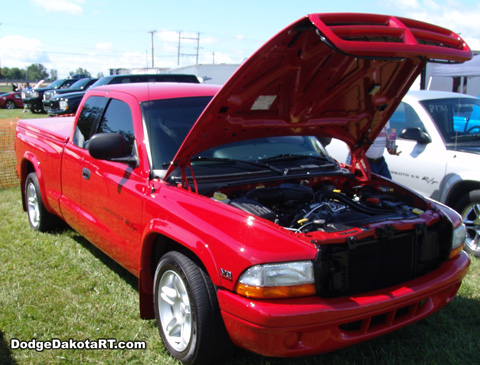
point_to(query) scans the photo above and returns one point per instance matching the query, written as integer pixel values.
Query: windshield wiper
(293, 156)
(231, 160)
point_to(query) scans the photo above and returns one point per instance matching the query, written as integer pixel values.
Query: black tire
(187, 312)
(38, 217)
(10, 104)
(469, 207)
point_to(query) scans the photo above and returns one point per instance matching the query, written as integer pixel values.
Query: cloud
(61, 6)
(105, 46)
(18, 51)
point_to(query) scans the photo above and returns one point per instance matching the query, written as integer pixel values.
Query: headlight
(63, 105)
(279, 280)
(458, 240)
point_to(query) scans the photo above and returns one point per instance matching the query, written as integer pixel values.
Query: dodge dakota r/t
(222, 201)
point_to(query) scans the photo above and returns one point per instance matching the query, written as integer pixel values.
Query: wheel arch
(459, 189)
(155, 245)
(26, 167)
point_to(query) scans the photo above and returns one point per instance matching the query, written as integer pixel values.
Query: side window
(88, 120)
(405, 117)
(118, 119)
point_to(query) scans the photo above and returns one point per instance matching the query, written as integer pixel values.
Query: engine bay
(327, 205)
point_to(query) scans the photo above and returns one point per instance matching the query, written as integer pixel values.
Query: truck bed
(58, 129)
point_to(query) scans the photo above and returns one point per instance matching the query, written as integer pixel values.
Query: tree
(99, 75)
(15, 73)
(81, 71)
(37, 71)
(53, 74)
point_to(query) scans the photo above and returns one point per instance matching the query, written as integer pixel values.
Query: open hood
(330, 75)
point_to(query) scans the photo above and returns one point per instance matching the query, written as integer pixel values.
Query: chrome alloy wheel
(471, 219)
(33, 207)
(174, 310)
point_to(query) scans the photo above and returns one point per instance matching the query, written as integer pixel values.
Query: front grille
(365, 265)
(54, 104)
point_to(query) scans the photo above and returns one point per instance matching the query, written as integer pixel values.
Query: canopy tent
(467, 71)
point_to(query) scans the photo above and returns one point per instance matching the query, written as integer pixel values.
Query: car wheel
(40, 219)
(187, 312)
(10, 104)
(469, 207)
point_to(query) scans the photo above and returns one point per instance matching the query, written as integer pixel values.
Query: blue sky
(101, 34)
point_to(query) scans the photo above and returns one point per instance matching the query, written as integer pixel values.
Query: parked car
(68, 103)
(33, 98)
(439, 139)
(80, 85)
(11, 100)
(223, 203)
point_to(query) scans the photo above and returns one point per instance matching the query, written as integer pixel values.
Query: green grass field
(57, 285)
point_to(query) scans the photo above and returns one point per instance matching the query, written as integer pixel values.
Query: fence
(8, 176)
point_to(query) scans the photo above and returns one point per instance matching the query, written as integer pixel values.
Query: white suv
(439, 139)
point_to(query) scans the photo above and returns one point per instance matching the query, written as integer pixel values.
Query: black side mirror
(111, 147)
(415, 134)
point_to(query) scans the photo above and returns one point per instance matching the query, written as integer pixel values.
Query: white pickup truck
(438, 134)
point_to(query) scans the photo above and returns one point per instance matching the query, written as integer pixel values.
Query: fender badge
(226, 274)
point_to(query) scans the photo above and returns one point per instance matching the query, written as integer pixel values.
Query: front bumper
(56, 112)
(313, 325)
(33, 103)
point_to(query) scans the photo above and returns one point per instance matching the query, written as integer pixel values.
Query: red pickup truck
(241, 229)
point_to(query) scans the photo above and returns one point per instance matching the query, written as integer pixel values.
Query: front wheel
(469, 207)
(187, 312)
(10, 104)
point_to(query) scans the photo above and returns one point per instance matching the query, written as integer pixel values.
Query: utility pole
(152, 33)
(188, 54)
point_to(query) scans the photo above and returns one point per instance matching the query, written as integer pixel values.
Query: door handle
(86, 173)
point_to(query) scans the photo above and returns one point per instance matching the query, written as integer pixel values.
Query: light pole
(152, 33)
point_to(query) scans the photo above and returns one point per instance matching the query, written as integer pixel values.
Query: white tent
(467, 69)
(440, 76)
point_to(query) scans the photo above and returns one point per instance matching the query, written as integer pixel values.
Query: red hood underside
(329, 75)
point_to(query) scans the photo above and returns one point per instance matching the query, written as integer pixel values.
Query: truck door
(112, 192)
(420, 165)
(73, 159)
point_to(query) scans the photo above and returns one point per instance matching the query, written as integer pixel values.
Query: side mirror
(415, 134)
(111, 147)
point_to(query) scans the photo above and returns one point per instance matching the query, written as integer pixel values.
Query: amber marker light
(273, 292)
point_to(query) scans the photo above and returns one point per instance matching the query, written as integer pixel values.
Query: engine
(301, 208)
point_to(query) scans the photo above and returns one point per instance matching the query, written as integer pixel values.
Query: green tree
(15, 73)
(99, 75)
(81, 71)
(37, 71)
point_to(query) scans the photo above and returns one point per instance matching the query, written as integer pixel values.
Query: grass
(57, 285)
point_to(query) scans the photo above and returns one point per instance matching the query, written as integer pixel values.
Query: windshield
(268, 149)
(80, 83)
(56, 84)
(455, 117)
(169, 121)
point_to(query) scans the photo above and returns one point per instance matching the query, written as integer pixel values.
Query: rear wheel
(40, 219)
(469, 207)
(187, 312)
(10, 104)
